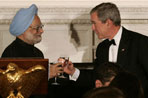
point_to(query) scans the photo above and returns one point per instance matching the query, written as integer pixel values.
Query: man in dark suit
(129, 49)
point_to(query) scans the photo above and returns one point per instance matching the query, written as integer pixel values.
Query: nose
(93, 27)
(41, 30)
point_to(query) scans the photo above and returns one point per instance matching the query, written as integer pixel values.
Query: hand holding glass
(56, 68)
(64, 61)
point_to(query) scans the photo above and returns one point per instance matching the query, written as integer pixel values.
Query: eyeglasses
(37, 28)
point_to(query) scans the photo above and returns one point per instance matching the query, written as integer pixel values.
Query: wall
(67, 28)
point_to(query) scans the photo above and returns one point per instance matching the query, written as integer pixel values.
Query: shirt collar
(117, 37)
(22, 43)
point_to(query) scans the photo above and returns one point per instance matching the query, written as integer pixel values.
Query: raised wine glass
(55, 78)
(64, 60)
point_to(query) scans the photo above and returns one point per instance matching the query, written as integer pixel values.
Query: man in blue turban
(27, 27)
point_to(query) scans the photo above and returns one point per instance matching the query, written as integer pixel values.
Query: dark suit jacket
(132, 55)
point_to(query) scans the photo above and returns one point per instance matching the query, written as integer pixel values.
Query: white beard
(33, 38)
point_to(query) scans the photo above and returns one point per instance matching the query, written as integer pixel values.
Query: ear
(109, 22)
(98, 83)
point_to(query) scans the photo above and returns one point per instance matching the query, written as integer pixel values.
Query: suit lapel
(123, 48)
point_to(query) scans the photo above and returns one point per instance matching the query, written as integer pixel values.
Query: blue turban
(22, 20)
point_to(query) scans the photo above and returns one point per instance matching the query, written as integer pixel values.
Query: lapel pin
(123, 50)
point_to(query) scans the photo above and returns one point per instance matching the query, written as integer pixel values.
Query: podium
(42, 88)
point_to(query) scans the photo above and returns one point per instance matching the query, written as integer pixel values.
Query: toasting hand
(69, 67)
(55, 70)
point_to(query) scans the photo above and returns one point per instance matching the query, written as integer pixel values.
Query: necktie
(108, 44)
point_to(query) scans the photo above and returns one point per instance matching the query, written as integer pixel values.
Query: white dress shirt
(113, 52)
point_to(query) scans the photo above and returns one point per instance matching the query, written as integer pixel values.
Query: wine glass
(55, 78)
(64, 60)
(55, 81)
